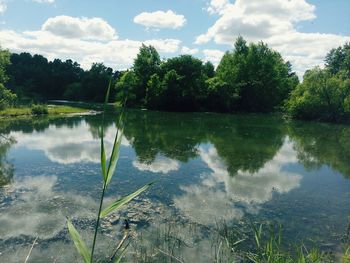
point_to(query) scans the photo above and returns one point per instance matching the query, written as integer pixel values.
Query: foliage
(146, 64)
(52, 110)
(39, 109)
(127, 86)
(253, 78)
(7, 98)
(4, 62)
(321, 96)
(36, 76)
(338, 59)
(258, 75)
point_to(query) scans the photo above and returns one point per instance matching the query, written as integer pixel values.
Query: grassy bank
(52, 110)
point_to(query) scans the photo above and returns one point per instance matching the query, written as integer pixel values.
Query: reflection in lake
(6, 167)
(206, 202)
(209, 167)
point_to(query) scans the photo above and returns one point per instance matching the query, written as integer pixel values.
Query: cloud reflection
(159, 165)
(36, 209)
(65, 145)
(221, 196)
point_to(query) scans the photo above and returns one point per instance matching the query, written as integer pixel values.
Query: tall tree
(258, 75)
(145, 65)
(338, 59)
(7, 98)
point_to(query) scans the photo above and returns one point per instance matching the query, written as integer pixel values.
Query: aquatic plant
(107, 170)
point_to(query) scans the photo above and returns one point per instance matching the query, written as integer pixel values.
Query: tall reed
(107, 171)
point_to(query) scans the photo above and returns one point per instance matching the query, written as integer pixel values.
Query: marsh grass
(52, 110)
(223, 243)
(107, 171)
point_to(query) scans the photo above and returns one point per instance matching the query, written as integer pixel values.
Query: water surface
(209, 168)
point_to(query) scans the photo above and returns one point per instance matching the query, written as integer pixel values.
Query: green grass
(53, 109)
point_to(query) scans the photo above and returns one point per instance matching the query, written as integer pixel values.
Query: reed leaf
(114, 156)
(124, 200)
(120, 257)
(78, 242)
(103, 160)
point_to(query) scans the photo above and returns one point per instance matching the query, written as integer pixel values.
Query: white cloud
(44, 1)
(80, 28)
(164, 45)
(216, 6)
(189, 51)
(159, 165)
(274, 22)
(55, 42)
(160, 19)
(221, 196)
(213, 55)
(3, 7)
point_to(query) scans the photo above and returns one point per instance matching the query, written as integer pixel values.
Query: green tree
(258, 75)
(171, 90)
(7, 98)
(4, 62)
(321, 96)
(126, 88)
(338, 59)
(154, 93)
(191, 91)
(95, 82)
(220, 97)
(145, 65)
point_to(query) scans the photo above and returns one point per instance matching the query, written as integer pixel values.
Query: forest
(249, 78)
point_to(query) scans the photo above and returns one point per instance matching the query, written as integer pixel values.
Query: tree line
(250, 78)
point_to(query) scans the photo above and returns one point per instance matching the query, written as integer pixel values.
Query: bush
(7, 98)
(39, 109)
(321, 96)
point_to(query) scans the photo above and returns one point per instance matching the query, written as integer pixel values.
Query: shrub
(39, 109)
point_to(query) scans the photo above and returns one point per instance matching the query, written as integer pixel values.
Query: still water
(210, 168)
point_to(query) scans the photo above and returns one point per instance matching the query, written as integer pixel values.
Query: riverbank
(51, 109)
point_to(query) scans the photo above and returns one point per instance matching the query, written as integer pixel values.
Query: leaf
(124, 200)
(78, 242)
(103, 159)
(108, 90)
(114, 156)
(119, 259)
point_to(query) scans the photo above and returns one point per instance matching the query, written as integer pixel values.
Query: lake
(211, 170)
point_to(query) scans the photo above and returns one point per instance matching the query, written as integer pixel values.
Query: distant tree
(321, 96)
(209, 69)
(62, 74)
(126, 88)
(154, 93)
(258, 75)
(220, 97)
(338, 59)
(7, 98)
(4, 62)
(95, 82)
(193, 74)
(146, 63)
(171, 90)
(73, 91)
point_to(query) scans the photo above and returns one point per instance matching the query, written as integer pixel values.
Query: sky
(112, 31)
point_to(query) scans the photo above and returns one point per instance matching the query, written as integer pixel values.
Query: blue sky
(111, 31)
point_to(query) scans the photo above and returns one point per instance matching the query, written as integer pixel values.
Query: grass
(174, 241)
(52, 110)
